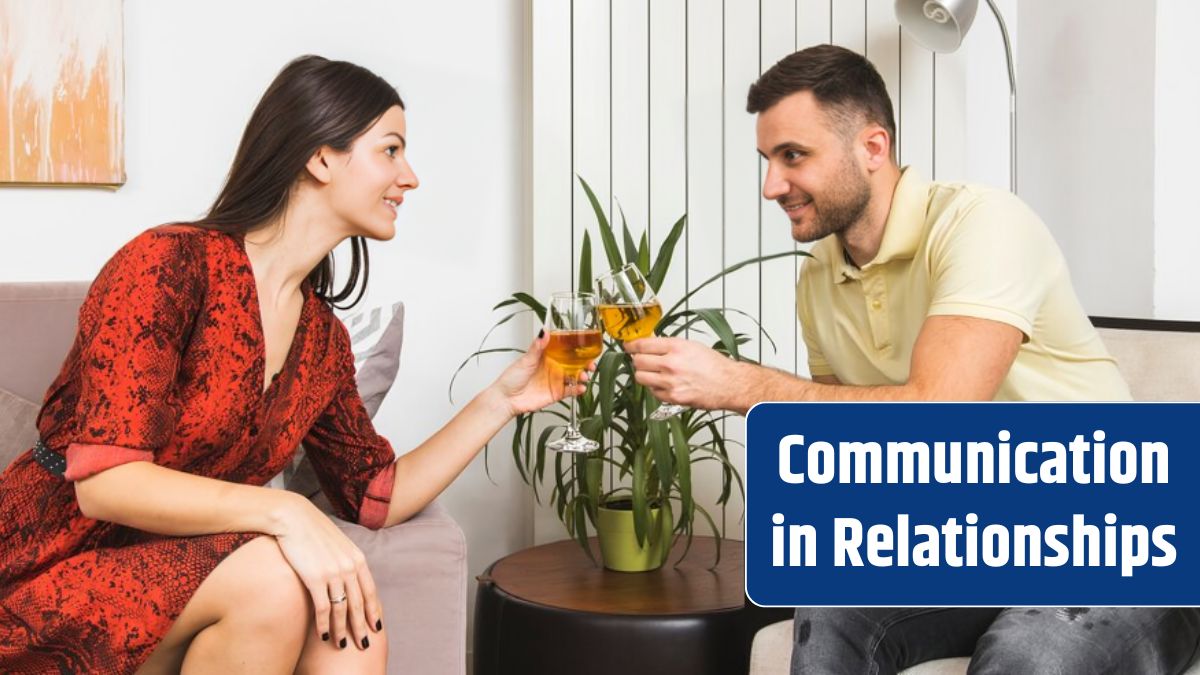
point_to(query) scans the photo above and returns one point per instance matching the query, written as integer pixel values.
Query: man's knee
(1042, 640)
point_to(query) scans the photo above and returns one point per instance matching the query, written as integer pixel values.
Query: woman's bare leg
(250, 615)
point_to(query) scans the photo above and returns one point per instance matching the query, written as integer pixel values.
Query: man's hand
(687, 373)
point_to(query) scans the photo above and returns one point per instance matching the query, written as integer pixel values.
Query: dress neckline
(260, 370)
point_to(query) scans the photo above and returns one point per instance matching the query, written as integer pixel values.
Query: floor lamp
(940, 25)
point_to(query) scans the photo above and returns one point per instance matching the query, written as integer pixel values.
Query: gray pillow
(376, 348)
(18, 432)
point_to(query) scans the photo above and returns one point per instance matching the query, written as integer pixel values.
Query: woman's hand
(533, 382)
(335, 573)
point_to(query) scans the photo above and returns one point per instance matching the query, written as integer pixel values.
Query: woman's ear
(318, 165)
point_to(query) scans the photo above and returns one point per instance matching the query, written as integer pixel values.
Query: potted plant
(647, 501)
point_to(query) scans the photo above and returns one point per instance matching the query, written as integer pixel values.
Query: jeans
(1024, 641)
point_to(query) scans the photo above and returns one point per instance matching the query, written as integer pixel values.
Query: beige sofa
(1161, 362)
(420, 566)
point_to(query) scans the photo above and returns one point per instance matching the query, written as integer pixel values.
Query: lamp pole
(1012, 99)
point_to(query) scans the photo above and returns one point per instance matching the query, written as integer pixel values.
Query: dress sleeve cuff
(85, 460)
(372, 513)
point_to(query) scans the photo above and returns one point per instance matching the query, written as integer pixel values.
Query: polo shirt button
(876, 304)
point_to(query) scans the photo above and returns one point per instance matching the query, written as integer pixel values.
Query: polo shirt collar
(903, 231)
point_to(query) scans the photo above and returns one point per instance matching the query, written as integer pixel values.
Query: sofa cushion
(1159, 365)
(17, 430)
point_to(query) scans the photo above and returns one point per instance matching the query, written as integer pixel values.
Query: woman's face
(368, 182)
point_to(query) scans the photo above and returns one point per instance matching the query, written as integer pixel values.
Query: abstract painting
(61, 92)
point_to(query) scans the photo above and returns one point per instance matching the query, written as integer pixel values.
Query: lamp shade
(939, 25)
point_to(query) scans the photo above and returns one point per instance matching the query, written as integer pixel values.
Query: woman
(135, 536)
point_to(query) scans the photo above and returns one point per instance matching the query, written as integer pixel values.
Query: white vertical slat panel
(916, 106)
(592, 98)
(812, 22)
(705, 149)
(552, 172)
(812, 28)
(706, 178)
(741, 235)
(950, 124)
(987, 91)
(883, 46)
(630, 113)
(668, 154)
(553, 179)
(777, 278)
(850, 24)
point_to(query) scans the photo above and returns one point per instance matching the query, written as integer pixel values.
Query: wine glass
(574, 342)
(629, 310)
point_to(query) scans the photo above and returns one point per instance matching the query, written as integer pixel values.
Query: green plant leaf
(594, 469)
(606, 373)
(476, 354)
(660, 444)
(666, 526)
(730, 270)
(630, 246)
(532, 303)
(717, 534)
(641, 510)
(683, 467)
(581, 534)
(585, 264)
(720, 325)
(643, 259)
(662, 263)
(606, 234)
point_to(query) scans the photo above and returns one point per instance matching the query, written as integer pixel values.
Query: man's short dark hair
(844, 82)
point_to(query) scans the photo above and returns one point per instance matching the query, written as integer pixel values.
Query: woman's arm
(530, 383)
(156, 499)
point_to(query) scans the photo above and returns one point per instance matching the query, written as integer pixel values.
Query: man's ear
(318, 165)
(877, 146)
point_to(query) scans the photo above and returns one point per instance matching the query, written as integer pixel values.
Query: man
(916, 291)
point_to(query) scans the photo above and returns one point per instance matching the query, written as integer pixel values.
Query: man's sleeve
(997, 261)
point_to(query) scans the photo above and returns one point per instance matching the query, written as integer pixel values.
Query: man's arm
(955, 358)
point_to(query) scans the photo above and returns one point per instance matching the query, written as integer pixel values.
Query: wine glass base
(579, 444)
(666, 411)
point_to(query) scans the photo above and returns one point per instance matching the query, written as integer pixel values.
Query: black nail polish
(379, 624)
(366, 643)
(342, 644)
(541, 333)
(324, 637)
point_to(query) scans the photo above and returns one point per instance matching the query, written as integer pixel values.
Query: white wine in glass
(629, 310)
(574, 342)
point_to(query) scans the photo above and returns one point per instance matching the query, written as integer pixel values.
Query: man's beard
(842, 207)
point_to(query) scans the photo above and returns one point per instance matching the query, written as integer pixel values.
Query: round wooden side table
(549, 610)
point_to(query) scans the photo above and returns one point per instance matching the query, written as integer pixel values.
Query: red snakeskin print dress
(168, 366)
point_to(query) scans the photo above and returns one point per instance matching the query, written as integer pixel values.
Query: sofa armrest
(420, 567)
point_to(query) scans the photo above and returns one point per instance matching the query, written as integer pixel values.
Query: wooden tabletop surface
(560, 575)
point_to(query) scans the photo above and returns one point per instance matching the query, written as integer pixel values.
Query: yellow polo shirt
(962, 250)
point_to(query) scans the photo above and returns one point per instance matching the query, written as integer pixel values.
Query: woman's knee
(260, 591)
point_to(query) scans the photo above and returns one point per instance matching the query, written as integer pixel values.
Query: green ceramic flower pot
(618, 541)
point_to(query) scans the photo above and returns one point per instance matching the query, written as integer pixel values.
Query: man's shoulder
(955, 208)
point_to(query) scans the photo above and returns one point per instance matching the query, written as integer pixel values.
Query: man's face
(813, 170)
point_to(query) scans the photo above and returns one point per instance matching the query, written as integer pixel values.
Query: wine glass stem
(572, 430)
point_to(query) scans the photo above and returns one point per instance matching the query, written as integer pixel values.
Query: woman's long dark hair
(312, 103)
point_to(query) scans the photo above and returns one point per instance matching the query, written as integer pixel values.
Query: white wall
(1087, 129)
(1176, 149)
(193, 74)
